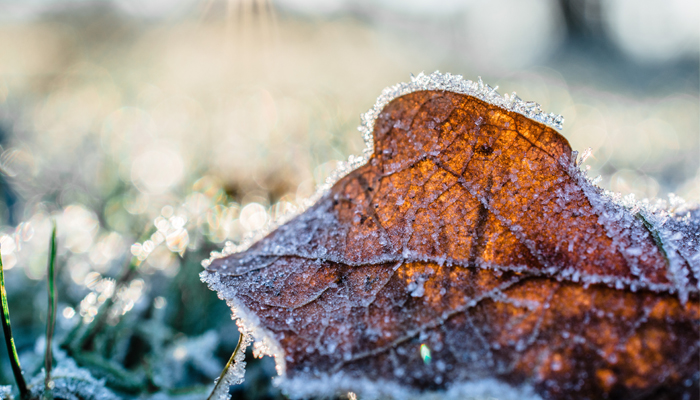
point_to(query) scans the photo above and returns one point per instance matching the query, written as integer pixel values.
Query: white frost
(330, 385)
(247, 321)
(235, 375)
(71, 382)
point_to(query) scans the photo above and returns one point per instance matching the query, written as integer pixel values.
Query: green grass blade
(218, 387)
(51, 317)
(9, 340)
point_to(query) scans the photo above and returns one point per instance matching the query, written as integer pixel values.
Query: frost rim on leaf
(248, 323)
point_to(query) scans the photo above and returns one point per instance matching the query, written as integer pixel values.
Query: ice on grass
(235, 374)
(71, 382)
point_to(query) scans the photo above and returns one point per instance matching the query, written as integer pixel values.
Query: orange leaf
(469, 255)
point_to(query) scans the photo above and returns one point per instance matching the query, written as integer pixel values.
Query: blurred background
(188, 123)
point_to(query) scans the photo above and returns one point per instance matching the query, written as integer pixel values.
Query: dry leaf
(470, 256)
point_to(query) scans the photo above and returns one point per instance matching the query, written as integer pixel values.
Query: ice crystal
(71, 382)
(674, 224)
(235, 374)
(327, 386)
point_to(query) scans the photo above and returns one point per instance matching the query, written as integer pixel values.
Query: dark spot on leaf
(484, 150)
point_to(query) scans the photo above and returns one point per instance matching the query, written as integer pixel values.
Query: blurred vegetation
(154, 135)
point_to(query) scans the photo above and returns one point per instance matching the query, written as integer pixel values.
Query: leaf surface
(471, 230)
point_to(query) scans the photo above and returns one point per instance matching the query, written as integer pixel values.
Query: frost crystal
(486, 389)
(235, 374)
(456, 84)
(674, 224)
(71, 383)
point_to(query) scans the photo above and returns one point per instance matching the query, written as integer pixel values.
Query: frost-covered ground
(160, 139)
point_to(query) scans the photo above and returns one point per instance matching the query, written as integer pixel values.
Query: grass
(50, 326)
(51, 317)
(9, 339)
(221, 380)
(168, 346)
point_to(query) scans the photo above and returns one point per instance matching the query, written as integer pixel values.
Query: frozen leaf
(470, 256)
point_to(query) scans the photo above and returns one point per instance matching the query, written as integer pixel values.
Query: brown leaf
(471, 230)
